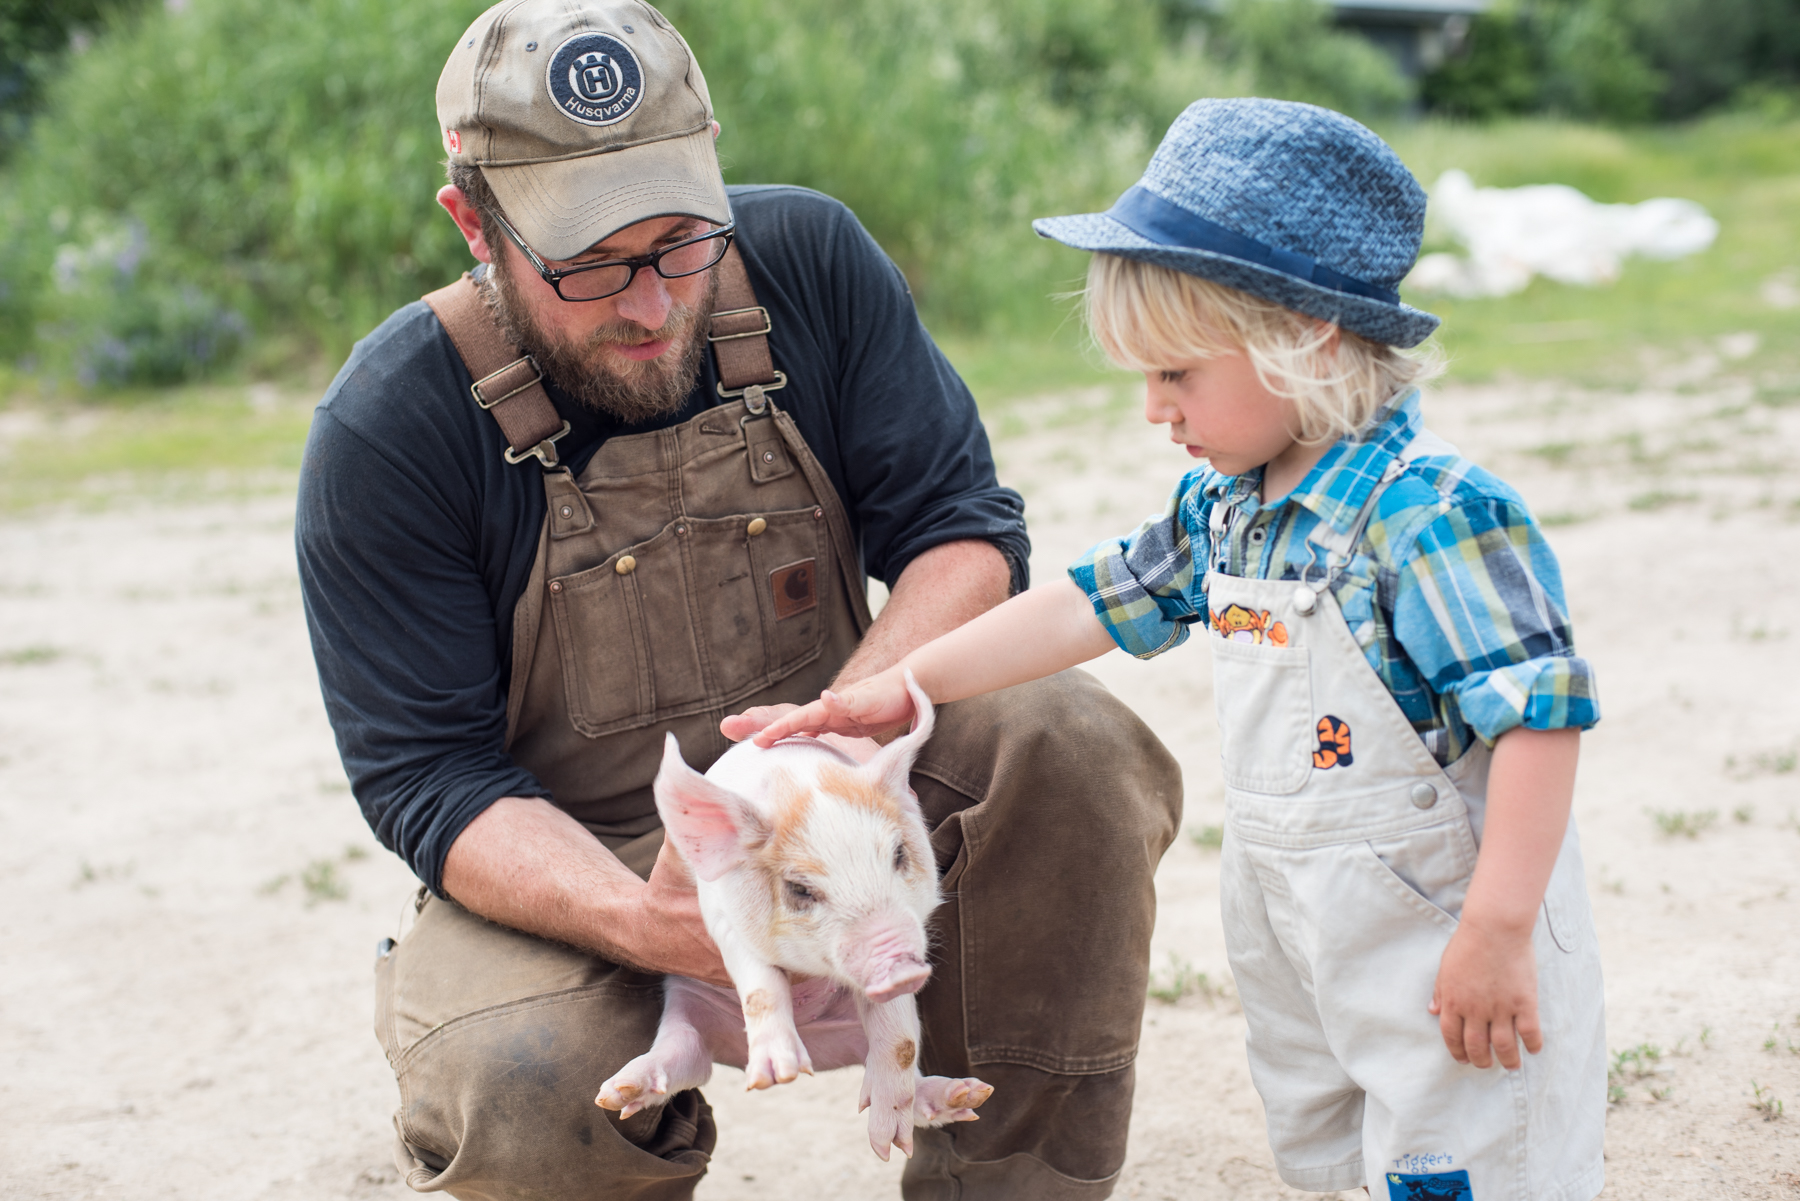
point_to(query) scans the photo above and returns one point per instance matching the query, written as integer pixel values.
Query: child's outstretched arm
(1486, 994)
(1035, 634)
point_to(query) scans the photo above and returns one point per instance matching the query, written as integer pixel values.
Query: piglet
(809, 866)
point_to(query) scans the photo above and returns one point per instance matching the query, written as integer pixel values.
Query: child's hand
(1486, 996)
(865, 709)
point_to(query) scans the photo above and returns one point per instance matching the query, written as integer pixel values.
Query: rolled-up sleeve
(1142, 586)
(1479, 609)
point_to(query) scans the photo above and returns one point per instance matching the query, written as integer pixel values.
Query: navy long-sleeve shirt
(416, 540)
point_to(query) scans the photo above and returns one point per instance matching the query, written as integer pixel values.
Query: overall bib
(1347, 855)
(686, 574)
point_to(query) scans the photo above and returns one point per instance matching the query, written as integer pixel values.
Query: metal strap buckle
(753, 393)
(545, 451)
(754, 333)
(484, 402)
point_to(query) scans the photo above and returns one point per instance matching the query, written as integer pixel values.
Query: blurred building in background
(1418, 34)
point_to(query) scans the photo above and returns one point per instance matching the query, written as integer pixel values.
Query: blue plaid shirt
(1453, 594)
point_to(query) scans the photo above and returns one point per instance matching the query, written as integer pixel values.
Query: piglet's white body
(810, 863)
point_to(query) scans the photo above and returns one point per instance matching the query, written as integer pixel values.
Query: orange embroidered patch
(1234, 623)
(1334, 744)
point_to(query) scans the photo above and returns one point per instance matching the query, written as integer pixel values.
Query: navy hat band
(1149, 215)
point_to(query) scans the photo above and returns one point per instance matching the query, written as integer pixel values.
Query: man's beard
(642, 391)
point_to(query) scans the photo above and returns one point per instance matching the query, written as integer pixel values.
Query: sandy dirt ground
(189, 901)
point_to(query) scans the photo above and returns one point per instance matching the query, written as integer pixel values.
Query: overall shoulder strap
(740, 336)
(507, 384)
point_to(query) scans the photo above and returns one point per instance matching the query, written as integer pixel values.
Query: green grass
(1745, 170)
(151, 441)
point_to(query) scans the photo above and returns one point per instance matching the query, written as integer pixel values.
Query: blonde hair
(1146, 318)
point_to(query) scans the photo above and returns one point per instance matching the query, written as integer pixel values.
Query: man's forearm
(940, 590)
(526, 864)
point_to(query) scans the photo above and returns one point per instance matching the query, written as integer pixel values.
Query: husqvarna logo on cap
(595, 79)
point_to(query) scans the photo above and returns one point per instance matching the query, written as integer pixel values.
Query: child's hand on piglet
(863, 710)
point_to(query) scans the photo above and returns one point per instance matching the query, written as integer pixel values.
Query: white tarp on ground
(1511, 234)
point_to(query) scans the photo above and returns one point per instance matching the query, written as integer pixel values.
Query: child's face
(1221, 412)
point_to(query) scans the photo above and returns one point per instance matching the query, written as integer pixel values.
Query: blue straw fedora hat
(1290, 202)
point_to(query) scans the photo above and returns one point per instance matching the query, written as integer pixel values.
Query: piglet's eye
(799, 894)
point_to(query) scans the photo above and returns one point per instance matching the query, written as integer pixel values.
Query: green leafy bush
(276, 162)
(272, 167)
(1291, 50)
(1619, 60)
(35, 37)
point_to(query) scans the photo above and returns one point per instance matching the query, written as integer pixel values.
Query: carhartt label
(795, 587)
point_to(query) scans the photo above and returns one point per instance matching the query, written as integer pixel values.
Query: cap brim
(1393, 324)
(563, 207)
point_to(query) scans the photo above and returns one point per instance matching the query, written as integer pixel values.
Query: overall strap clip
(1339, 550)
(739, 335)
(508, 385)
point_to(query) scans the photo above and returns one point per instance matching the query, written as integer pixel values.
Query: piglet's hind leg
(940, 1100)
(679, 1059)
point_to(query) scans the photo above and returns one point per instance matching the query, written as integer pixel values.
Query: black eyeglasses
(597, 281)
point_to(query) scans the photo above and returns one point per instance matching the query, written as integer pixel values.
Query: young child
(1398, 694)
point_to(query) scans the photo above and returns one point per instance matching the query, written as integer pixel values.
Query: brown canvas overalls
(686, 574)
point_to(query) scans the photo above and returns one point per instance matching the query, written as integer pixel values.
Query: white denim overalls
(1347, 855)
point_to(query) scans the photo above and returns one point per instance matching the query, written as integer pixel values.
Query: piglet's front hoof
(939, 1100)
(776, 1057)
(638, 1086)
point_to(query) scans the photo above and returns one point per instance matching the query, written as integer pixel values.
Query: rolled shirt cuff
(1552, 692)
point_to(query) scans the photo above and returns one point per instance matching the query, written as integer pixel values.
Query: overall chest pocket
(1264, 696)
(704, 614)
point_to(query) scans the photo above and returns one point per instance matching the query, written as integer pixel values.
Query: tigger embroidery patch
(1234, 623)
(1334, 744)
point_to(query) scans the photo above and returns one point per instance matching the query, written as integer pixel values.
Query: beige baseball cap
(585, 117)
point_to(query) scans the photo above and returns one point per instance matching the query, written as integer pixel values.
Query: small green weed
(1766, 1102)
(1639, 1061)
(1557, 454)
(1632, 1065)
(90, 874)
(320, 880)
(1178, 980)
(1650, 502)
(1210, 837)
(30, 656)
(1683, 823)
(1743, 815)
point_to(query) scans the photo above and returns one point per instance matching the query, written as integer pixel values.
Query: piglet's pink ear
(712, 827)
(892, 765)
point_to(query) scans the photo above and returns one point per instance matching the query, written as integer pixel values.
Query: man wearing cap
(626, 479)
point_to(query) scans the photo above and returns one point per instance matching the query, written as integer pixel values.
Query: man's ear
(468, 220)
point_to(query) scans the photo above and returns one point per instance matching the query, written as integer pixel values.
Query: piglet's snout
(888, 963)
